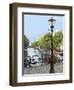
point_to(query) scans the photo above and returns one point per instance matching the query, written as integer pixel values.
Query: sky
(36, 26)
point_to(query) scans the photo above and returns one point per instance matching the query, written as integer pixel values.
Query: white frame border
(51, 77)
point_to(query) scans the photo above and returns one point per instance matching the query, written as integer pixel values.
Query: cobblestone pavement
(45, 68)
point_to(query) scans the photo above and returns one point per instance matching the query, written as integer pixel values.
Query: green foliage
(35, 44)
(45, 41)
(58, 38)
(26, 42)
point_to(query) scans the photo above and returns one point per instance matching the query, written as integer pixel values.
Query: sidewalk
(43, 69)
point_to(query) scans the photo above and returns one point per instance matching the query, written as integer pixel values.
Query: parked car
(36, 60)
(60, 57)
(27, 61)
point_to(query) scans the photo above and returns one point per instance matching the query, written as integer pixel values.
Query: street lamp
(52, 22)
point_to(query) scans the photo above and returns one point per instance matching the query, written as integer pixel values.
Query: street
(43, 69)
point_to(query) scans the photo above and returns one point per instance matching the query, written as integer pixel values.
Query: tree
(26, 42)
(58, 39)
(35, 44)
(45, 41)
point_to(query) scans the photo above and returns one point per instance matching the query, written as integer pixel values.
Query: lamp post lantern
(51, 22)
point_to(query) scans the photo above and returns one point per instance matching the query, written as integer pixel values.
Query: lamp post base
(52, 71)
(52, 68)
